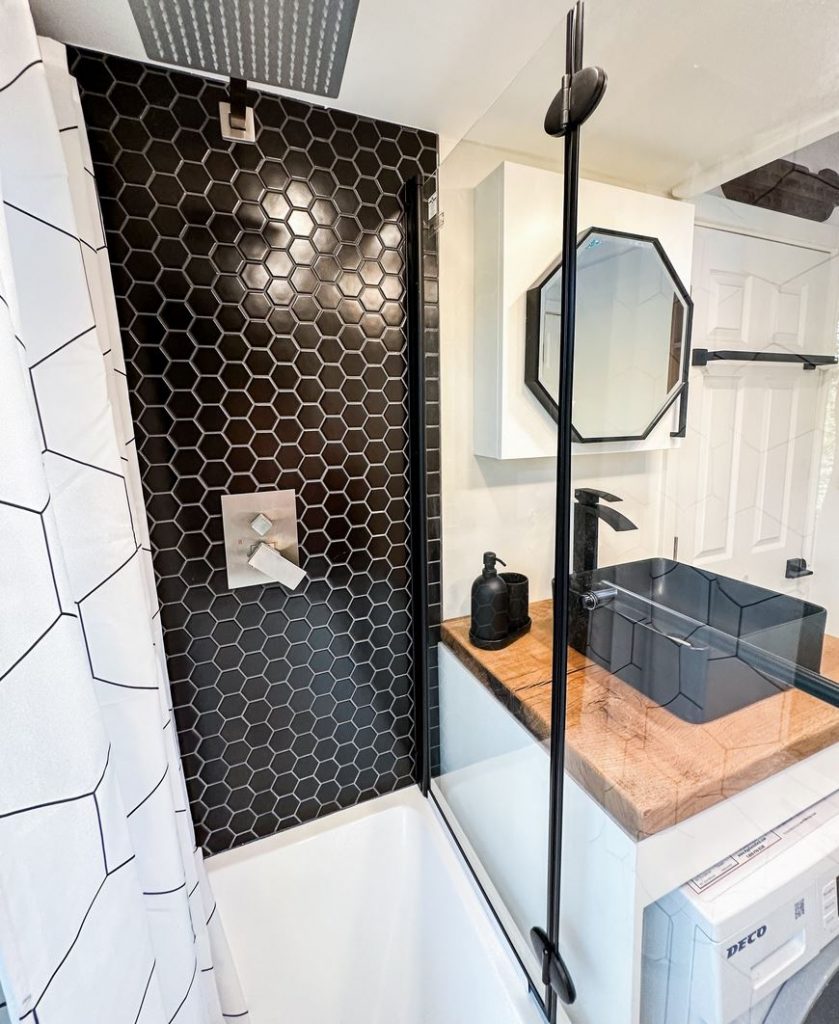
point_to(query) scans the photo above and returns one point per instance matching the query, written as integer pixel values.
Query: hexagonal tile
(261, 297)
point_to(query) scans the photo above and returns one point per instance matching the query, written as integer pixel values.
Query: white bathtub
(366, 916)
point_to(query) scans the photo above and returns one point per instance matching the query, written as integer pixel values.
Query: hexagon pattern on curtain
(105, 911)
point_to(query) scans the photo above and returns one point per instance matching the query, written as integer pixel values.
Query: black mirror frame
(533, 331)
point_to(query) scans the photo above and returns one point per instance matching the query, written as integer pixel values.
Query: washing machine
(755, 938)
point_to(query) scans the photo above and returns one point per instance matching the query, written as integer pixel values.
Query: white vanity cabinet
(494, 785)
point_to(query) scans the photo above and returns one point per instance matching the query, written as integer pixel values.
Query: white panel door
(749, 470)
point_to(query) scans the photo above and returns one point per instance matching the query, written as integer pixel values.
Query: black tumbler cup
(519, 592)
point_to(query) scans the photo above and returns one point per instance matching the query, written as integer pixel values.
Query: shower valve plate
(238, 511)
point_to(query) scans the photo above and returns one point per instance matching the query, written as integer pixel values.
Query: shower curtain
(105, 911)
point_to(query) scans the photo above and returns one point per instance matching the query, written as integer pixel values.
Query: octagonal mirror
(631, 353)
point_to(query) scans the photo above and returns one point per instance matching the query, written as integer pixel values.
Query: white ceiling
(435, 64)
(699, 90)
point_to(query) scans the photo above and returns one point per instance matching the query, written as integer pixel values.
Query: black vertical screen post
(418, 491)
(562, 540)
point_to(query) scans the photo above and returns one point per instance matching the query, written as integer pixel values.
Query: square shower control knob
(261, 524)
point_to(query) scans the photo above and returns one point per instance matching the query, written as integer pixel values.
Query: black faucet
(587, 515)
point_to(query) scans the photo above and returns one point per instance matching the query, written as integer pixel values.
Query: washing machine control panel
(830, 904)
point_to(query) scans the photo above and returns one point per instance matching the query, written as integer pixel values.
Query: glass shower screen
(702, 588)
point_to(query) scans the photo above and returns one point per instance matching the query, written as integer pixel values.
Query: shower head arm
(240, 99)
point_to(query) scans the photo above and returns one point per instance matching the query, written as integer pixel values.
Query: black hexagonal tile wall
(261, 296)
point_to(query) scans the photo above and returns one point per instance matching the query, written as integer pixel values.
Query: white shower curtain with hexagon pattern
(105, 912)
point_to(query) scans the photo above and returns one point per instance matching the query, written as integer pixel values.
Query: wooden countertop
(646, 767)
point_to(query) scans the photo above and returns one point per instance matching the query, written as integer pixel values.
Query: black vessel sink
(699, 644)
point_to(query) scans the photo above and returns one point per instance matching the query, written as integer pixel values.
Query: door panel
(748, 476)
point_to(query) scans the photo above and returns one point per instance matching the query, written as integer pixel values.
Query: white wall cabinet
(518, 234)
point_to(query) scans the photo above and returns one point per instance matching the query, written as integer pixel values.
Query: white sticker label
(723, 868)
(786, 834)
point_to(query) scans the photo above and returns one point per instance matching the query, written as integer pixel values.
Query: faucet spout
(587, 515)
(615, 519)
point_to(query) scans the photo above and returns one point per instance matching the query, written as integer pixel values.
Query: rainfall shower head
(295, 44)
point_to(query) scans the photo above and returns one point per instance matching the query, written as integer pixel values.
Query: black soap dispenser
(490, 606)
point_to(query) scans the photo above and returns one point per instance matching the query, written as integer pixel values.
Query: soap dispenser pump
(490, 605)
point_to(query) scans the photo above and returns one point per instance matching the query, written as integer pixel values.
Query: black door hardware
(796, 568)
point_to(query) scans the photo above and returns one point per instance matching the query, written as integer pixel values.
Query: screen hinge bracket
(554, 972)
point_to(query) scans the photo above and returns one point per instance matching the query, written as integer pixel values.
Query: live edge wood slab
(645, 766)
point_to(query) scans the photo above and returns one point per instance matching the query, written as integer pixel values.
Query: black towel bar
(702, 356)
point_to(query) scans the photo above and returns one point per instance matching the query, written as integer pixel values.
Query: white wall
(508, 506)
(487, 505)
